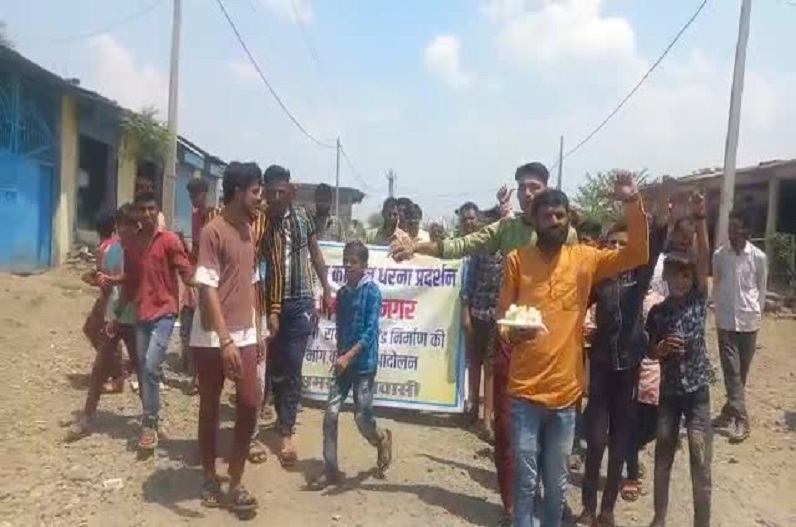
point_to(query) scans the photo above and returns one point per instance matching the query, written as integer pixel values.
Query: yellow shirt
(549, 369)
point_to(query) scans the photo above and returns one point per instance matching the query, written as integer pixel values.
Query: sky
(452, 95)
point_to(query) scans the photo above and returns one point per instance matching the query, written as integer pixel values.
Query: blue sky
(451, 94)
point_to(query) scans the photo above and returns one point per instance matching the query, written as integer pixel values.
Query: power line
(637, 86)
(354, 171)
(104, 29)
(265, 80)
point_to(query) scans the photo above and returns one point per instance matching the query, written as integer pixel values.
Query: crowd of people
(622, 361)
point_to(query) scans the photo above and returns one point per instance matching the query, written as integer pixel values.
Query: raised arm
(698, 211)
(610, 263)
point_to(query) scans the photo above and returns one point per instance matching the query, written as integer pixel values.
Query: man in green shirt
(504, 236)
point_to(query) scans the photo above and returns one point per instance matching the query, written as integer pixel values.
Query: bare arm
(702, 242)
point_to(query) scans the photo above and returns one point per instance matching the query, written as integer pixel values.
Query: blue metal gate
(27, 172)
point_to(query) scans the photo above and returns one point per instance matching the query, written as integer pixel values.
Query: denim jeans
(540, 435)
(290, 343)
(363, 414)
(152, 340)
(695, 408)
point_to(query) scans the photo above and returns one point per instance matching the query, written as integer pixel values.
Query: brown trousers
(108, 362)
(210, 370)
(503, 456)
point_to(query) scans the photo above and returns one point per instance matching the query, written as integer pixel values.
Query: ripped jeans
(363, 385)
(695, 407)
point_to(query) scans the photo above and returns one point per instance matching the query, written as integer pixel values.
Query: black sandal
(211, 494)
(241, 502)
(324, 480)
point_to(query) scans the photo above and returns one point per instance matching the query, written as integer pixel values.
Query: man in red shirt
(162, 257)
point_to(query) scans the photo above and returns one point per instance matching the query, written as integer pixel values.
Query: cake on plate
(523, 316)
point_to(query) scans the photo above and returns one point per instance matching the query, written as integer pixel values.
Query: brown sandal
(257, 453)
(630, 490)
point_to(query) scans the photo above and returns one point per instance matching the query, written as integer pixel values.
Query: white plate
(515, 324)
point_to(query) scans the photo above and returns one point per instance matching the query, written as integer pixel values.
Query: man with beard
(546, 369)
(501, 236)
(389, 229)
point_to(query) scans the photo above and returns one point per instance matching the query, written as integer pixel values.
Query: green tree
(594, 198)
(149, 133)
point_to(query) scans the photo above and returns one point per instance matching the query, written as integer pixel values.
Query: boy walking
(676, 329)
(357, 320)
(116, 317)
(162, 257)
(225, 338)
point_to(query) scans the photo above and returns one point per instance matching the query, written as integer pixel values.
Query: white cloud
(295, 11)
(244, 71)
(442, 59)
(559, 31)
(116, 75)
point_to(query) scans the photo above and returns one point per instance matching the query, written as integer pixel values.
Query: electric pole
(560, 162)
(391, 177)
(733, 126)
(169, 171)
(337, 182)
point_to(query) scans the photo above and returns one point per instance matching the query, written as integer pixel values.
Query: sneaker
(740, 432)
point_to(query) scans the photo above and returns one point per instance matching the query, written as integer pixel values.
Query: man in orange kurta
(546, 370)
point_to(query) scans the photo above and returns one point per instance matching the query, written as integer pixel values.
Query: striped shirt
(259, 224)
(285, 248)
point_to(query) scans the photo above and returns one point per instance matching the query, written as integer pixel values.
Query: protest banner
(421, 359)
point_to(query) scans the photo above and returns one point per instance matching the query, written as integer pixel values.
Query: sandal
(325, 480)
(148, 440)
(211, 494)
(630, 490)
(287, 457)
(240, 501)
(384, 457)
(586, 519)
(257, 453)
(80, 429)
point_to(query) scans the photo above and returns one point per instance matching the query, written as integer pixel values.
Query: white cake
(523, 315)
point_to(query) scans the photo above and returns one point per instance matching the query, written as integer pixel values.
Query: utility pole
(337, 182)
(733, 126)
(169, 171)
(560, 162)
(391, 181)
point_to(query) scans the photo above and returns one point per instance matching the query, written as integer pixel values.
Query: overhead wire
(638, 85)
(354, 171)
(268, 85)
(107, 27)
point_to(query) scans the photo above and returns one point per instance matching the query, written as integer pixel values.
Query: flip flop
(287, 457)
(631, 489)
(257, 453)
(211, 494)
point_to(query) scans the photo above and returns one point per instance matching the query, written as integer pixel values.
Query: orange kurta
(549, 369)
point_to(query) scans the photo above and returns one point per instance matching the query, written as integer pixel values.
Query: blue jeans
(535, 430)
(152, 340)
(290, 343)
(363, 413)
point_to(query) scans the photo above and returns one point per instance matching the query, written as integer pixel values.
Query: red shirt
(158, 290)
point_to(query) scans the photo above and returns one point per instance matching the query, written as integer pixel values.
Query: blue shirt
(692, 371)
(357, 319)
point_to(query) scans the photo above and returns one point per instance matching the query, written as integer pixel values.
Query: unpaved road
(442, 475)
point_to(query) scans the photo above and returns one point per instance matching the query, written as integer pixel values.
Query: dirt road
(442, 475)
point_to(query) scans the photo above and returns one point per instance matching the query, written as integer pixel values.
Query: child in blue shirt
(357, 319)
